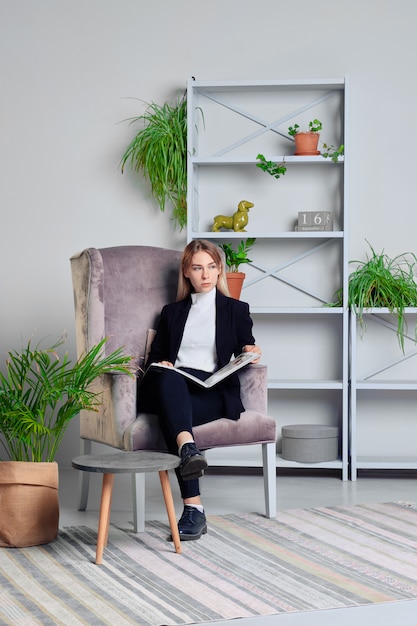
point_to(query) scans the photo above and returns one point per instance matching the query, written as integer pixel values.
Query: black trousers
(179, 404)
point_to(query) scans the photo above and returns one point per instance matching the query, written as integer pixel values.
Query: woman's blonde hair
(198, 245)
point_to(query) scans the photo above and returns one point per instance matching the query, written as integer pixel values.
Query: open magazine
(240, 361)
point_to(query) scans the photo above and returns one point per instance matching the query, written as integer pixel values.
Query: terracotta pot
(306, 144)
(235, 282)
(28, 503)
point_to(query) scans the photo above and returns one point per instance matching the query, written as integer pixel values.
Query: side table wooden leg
(104, 519)
(169, 505)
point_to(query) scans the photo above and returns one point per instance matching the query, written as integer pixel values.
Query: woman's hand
(167, 363)
(255, 349)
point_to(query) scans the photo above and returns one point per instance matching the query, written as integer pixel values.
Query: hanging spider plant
(159, 152)
(383, 282)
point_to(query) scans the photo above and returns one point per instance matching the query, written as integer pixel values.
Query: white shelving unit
(383, 392)
(292, 274)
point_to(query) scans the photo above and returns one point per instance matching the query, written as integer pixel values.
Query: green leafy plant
(274, 169)
(315, 126)
(40, 393)
(159, 152)
(233, 257)
(333, 153)
(383, 282)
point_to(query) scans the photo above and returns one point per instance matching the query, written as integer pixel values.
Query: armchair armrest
(116, 412)
(254, 388)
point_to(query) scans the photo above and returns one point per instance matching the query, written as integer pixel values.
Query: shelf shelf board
(247, 85)
(386, 385)
(275, 383)
(313, 310)
(313, 234)
(281, 462)
(241, 160)
(394, 462)
(385, 311)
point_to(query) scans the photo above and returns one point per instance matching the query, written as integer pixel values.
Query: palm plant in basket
(386, 282)
(40, 393)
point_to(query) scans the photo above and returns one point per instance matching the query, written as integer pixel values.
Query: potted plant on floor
(382, 282)
(235, 258)
(159, 152)
(40, 393)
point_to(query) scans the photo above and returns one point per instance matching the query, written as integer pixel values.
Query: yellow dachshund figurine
(237, 221)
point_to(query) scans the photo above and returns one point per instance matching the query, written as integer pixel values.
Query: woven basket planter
(29, 505)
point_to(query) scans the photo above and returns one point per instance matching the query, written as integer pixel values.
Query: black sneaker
(192, 463)
(192, 524)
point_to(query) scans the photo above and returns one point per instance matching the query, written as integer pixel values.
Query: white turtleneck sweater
(198, 345)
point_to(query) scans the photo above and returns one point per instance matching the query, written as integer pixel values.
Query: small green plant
(314, 126)
(234, 258)
(333, 153)
(383, 282)
(274, 169)
(40, 393)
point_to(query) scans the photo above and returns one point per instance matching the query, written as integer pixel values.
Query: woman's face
(203, 272)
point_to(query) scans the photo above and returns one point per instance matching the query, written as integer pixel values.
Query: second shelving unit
(383, 392)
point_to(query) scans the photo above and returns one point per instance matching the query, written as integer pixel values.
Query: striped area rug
(245, 566)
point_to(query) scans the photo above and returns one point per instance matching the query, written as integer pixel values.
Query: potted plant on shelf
(306, 141)
(382, 282)
(40, 393)
(159, 152)
(235, 258)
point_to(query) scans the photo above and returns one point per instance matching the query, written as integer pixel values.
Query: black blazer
(233, 331)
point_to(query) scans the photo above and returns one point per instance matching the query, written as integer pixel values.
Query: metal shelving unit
(293, 274)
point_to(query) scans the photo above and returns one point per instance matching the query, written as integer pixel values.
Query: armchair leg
(84, 477)
(138, 498)
(269, 471)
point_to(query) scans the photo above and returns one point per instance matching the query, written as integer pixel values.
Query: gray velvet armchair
(119, 293)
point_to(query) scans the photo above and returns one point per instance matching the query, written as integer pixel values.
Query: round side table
(120, 462)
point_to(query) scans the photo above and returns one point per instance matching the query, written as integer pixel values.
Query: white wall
(68, 70)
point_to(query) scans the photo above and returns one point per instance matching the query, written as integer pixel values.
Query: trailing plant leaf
(159, 152)
(41, 392)
(383, 282)
(333, 153)
(233, 257)
(274, 169)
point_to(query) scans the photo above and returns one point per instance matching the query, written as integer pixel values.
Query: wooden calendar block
(314, 220)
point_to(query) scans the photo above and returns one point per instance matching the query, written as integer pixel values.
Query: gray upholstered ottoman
(310, 443)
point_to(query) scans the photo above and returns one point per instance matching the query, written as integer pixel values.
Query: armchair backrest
(119, 292)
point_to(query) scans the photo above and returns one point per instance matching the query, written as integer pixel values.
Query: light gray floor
(234, 493)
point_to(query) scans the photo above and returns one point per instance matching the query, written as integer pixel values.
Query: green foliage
(40, 393)
(159, 152)
(333, 153)
(314, 126)
(274, 169)
(233, 257)
(383, 282)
